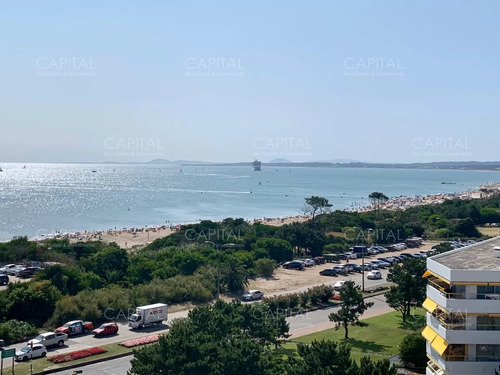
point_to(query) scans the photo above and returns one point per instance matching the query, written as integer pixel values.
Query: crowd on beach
(134, 236)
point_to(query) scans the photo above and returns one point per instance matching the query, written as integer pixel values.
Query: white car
(5, 268)
(308, 262)
(252, 295)
(351, 256)
(374, 275)
(339, 285)
(26, 353)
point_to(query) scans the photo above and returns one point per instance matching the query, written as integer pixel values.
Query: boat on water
(94, 171)
(24, 167)
(257, 165)
(1, 169)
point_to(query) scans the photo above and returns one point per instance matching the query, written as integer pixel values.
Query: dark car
(106, 329)
(356, 268)
(4, 279)
(406, 255)
(319, 260)
(294, 264)
(328, 272)
(28, 272)
(342, 256)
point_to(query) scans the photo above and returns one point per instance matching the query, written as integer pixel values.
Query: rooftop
(479, 256)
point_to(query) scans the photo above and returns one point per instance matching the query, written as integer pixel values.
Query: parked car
(347, 266)
(339, 285)
(381, 249)
(328, 272)
(294, 264)
(356, 268)
(106, 329)
(4, 279)
(387, 260)
(341, 270)
(26, 353)
(252, 295)
(366, 267)
(49, 339)
(406, 255)
(342, 257)
(28, 272)
(76, 327)
(13, 270)
(319, 260)
(5, 268)
(351, 256)
(374, 265)
(383, 264)
(374, 275)
(308, 262)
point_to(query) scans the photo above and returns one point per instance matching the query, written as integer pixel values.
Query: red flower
(76, 355)
(140, 341)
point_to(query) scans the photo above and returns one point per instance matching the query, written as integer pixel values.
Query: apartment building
(463, 310)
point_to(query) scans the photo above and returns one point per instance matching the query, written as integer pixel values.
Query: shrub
(265, 267)
(293, 300)
(412, 350)
(304, 298)
(14, 331)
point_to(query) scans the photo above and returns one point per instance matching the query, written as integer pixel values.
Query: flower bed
(76, 355)
(140, 341)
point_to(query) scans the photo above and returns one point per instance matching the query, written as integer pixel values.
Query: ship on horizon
(257, 165)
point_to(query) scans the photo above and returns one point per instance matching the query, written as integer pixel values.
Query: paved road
(118, 366)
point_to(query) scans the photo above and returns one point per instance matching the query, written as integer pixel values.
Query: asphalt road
(118, 366)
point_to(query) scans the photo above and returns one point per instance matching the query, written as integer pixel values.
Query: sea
(43, 199)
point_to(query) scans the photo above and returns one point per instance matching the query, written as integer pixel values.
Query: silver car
(26, 353)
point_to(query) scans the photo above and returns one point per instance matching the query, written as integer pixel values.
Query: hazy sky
(405, 81)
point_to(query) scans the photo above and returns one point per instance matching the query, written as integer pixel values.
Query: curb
(56, 370)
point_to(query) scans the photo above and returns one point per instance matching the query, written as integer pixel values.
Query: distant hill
(280, 160)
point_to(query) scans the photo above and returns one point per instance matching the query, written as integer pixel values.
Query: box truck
(146, 316)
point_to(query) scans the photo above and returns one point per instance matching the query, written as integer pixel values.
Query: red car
(106, 329)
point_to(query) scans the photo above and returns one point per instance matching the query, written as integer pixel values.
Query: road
(299, 325)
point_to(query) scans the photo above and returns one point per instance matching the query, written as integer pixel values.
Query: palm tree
(234, 274)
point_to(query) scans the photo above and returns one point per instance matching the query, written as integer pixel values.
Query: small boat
(180, 171)
(260, 183)
(24, 167)
(94, 171)
(1, 169)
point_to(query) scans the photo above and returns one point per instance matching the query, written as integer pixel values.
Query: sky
(228, 81)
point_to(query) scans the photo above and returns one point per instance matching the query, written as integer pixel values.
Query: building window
(487, 353)
(488, 323)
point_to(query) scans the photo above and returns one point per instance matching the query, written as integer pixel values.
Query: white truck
(146, 316)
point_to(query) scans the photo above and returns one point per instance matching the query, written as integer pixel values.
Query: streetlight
(219, 247)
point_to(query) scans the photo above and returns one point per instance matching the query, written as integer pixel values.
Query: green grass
(378, 339)
(41, 364)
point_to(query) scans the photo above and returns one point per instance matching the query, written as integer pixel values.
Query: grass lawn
(378, 339)
(41, 364)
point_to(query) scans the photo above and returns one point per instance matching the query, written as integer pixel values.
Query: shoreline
(137, 237)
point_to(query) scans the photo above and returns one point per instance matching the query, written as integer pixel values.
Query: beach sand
(141, 237)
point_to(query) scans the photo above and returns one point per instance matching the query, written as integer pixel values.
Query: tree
(265, 267)
(234, 274)
(278, 249)
(410, 289)
(412, 350)
(330, 358)
(224, 338)
(316, 205)
(353, 305)
(378, 199)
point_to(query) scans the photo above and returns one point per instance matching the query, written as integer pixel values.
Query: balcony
(462, 330)
(460, 364)
(466, 303)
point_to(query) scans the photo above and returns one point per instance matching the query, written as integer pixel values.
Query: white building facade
(463, 310)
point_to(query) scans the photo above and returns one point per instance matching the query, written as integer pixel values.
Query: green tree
(316, 205)
(466, 228)
(378, 199)
(214, 340)
(409, 290)
(265, 267)
(353, 306)
(278, 249)
(234, 275)
(413, 350)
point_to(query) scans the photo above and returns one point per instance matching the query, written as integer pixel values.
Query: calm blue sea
(45, 198)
